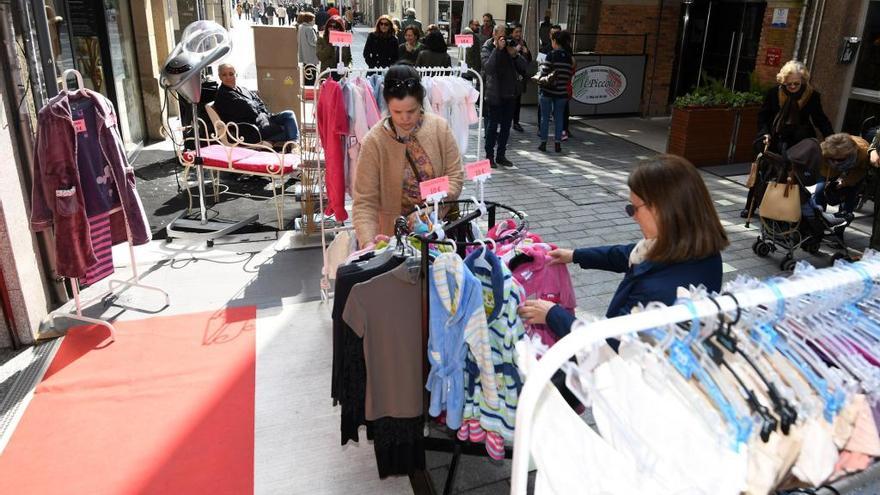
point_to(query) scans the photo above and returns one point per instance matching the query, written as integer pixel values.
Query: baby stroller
(796, 223)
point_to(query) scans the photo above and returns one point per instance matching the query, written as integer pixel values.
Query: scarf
(639, 252)
(790, 105)
(417, 161)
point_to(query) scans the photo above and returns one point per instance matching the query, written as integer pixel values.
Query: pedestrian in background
(409, 50)
(238, 10)
(291, 13)
(246, 7)
(409, 19)
(523, 49)
(329, 54)
(270, 13)
(381, 47)
(307, 36)
(553, 88)
(544, 34)
(502, 67)
(433, 53)
(472, 53)
(399, 30)
(281, 13)
(321, 18)
(488, 27)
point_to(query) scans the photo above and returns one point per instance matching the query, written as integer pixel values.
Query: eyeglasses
(631, 209)
(794, 84)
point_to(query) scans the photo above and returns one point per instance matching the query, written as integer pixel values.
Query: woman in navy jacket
(682, 244)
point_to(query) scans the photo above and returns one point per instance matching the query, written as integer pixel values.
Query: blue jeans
(500, 115)
(286, 119)
(552, 105)
(847, 197)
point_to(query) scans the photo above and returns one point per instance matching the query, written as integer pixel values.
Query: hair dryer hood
(201, 44)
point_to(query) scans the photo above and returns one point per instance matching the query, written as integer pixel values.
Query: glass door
(721, 42)
(864, 99)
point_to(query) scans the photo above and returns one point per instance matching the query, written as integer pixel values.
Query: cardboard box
(276, 46)
(279, 88)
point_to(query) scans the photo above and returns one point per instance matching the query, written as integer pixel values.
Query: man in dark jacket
(472, 53)
(503, 67)
(321, 18)
(243, 106)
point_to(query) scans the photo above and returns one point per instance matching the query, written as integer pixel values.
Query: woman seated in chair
(246, 109)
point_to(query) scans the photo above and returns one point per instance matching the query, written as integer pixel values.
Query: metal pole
(31, 50)
(703, 50)
(200, 174)
(681, 48)
(736, 65)
(47, 58)
(800, 30)
(729, 56)
(23, 142)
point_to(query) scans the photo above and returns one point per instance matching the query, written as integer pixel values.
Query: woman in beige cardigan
(406, 143)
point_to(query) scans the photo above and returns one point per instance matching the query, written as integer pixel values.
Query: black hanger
(769, 422)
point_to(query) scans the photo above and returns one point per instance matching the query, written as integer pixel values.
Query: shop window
(867, 74)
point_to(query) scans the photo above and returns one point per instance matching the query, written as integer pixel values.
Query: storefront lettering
(598, 84)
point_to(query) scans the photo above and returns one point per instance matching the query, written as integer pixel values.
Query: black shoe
(492, 162)
(542, 146)
(744, 213)
(558, 147)
(504, 162)
(517, 127)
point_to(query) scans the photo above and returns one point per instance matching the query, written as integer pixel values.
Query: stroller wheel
(757, 244)
(788, 263)
(763, 249)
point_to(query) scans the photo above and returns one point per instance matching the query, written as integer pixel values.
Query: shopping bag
(753, 174)
(781, 202)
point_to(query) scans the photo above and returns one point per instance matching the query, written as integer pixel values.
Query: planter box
(748, 130)
(702, 135)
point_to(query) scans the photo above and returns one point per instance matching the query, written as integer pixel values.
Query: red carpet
(168, 408)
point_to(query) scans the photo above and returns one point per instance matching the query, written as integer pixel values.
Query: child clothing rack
(131, 282)
(595, 332)
(420, 480)
(462, 69)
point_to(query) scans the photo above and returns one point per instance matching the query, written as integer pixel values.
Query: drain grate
(24, 372)
(589, 195)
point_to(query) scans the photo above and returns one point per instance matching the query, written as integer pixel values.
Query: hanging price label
(482, 168)
(79, 125)
(464, 40)
(435, 187)
(340, 38)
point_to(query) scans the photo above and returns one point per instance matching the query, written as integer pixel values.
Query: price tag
(464, 40)
(435, 187)
(79, 126)
(482, 168)
(340, 38)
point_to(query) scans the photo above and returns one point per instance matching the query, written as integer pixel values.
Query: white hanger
(79, 80)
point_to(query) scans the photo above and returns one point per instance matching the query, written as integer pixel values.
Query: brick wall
(638, 18)
(777, 38)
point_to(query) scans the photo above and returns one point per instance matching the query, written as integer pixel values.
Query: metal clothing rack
(131, 282)
(592, 333)
(326, 290)
(421, 480)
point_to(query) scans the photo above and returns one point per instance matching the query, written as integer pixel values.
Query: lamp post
(684, 28)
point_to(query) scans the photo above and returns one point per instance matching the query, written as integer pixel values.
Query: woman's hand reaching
(561, 256)
(534, 311)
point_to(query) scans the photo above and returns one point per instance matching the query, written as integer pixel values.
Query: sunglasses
(384, 24)
(631, 209)
(793, 84)
(402, 86)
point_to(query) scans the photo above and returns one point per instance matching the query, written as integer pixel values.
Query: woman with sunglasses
(329, 54)
(681, 245)
(381, 47)
(791, 112)
(402, 150)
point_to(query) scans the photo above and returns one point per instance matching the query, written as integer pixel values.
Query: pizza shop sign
(598, 84)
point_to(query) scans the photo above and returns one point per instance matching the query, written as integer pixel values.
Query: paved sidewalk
(577, 198)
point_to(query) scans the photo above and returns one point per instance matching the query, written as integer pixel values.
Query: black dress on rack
(398, 442)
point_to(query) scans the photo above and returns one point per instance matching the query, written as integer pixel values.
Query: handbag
(547, 81)
(781, 202)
